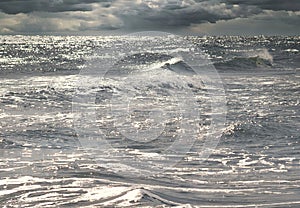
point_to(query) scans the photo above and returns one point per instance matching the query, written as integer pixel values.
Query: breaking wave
(252, 59)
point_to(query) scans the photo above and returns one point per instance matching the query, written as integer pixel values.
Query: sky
(194, 17)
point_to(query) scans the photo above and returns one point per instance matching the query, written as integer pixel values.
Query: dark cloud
(28, 6)
(180, 15)
(267, 23)
(17, 16)
(288, 5)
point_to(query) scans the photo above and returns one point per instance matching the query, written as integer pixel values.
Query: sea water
(44, 161)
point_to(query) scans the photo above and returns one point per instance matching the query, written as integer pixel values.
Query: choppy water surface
(43, 164)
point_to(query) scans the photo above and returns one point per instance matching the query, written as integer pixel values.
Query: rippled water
(43, 163)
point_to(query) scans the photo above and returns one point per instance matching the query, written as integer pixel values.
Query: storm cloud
(28, 6)
(276, 5)
(36, 16)
(165, 15)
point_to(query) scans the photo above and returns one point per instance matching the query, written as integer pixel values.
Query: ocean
(91, 121)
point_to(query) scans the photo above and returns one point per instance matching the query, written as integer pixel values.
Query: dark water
(45, 164)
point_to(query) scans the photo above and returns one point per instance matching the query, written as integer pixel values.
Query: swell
(245, 63)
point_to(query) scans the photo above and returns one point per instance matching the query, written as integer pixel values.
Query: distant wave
(147, 63)
(4, 144)
(253, 59)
